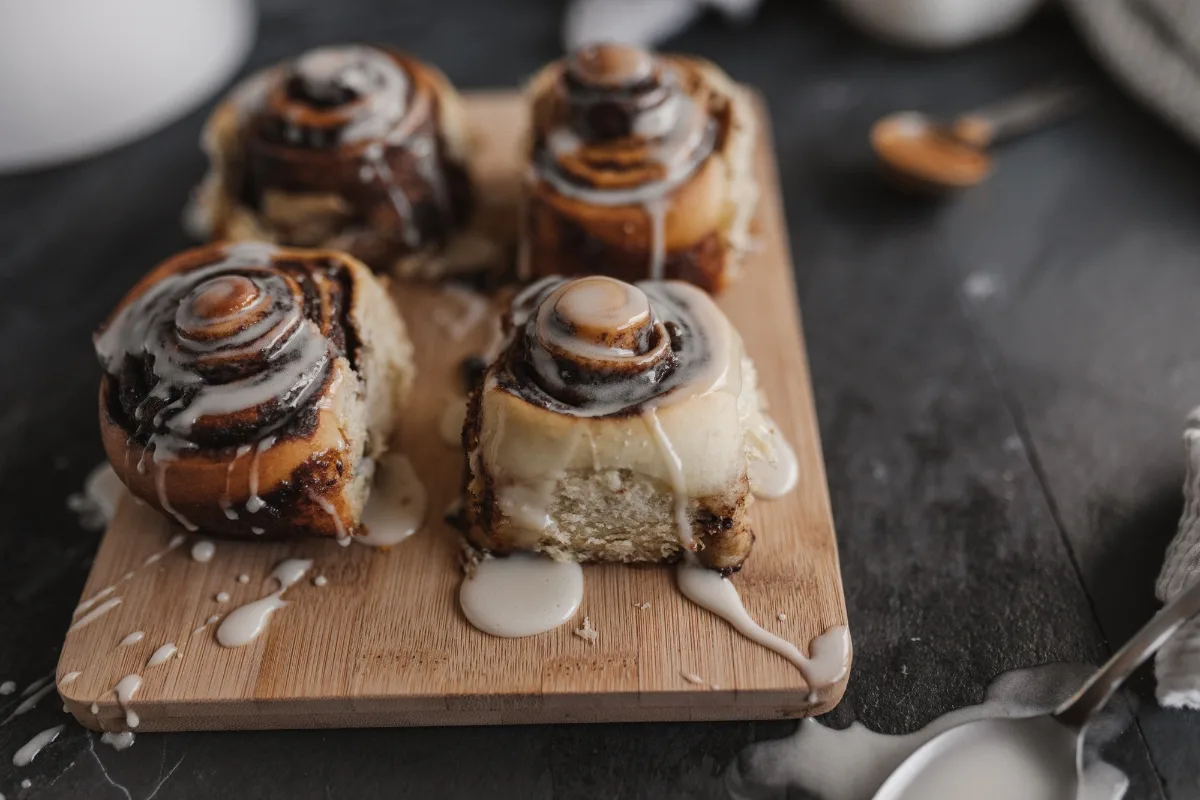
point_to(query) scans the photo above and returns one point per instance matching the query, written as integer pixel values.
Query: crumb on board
(692, 677)
(587, 632)
(782, 617)
(642, 606)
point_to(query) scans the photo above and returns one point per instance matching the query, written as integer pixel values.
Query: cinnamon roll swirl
(640, 168)
(248, 389)
(355, 148)
(619, 423)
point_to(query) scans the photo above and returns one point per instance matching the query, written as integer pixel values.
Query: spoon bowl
(1031, 758)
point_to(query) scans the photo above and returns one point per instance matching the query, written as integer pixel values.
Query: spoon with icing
(1029, 758)
(936, 157)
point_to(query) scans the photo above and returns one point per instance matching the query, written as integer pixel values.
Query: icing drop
(30, 749)
(245, 623)
(69, 678)
(118, 740)
(96, 613)
(162, 654)
(132, 638)
(521, 595)
(203, 550)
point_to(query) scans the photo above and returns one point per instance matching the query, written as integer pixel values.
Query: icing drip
(245, 623)
(125, 689)
(773, 468)
(678, 483)
(162, 654)
(343, 538)
(118, 740)
(396, 508)
(131, 639)
(225, 502)
(254, 503)
(96, 613)
(829, 654)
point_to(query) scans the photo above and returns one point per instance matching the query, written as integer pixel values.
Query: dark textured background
(1004, 464)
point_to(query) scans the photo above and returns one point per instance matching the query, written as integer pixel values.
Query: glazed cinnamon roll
(619, 423)
(355, 148)
(640, 168)
(248, 389)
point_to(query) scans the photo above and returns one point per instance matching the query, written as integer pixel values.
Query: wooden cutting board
(383, 641)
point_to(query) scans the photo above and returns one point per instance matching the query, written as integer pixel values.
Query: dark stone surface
(1001, 380)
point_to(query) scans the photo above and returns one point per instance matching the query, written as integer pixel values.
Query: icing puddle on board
(521, 594)
(852, 764)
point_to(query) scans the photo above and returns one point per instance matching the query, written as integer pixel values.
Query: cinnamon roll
(248, 389)
(355, 148)
(640, 168)
(619, 423)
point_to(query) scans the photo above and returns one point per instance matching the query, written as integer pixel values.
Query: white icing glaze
(397, 505)
(118, 740)
(69, 678)
(29, 751)
(678, 484)
(254, 503)
(829, 654)
(226, 501)
(772, 464)
(343, 538)
(97, 612)
(203, 550)
(245, 623)
(521, 595)
(125, 689)
(131, 639)
(161, 655)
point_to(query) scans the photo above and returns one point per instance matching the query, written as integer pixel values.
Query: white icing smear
(122, 740)
(33, 687)
(161, 655)
(30, 702)
(126, 688)
(772, 463)
(69, 678)
(245, 623)
(397, 506)
(203, 550)
(131, 639)
(96, 613)
(829, 658)
(30, 749)
(8, 687)
(521, 595)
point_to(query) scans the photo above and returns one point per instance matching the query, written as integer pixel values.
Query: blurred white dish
(937, 24)
(81, 76)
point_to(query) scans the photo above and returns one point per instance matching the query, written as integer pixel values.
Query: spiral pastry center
(223, 350)
(337, 95)
(596, 346)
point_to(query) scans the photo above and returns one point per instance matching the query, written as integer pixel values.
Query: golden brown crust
(306, 172)
(704, 218)
(254, 471)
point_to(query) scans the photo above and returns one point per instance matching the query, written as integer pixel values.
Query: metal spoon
(1030, 758)
(933, 156)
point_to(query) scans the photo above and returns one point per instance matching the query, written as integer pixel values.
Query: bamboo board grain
(384, 643)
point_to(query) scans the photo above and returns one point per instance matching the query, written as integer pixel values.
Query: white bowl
(81, 76)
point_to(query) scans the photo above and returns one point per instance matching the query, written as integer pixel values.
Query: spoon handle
(1024, 112)
(1076, 711)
